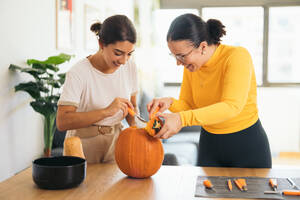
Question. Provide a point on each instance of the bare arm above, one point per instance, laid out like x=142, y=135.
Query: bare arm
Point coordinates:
x=67, y=118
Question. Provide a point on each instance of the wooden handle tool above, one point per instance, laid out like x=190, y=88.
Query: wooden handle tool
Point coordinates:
x=208, y=184
x=238, y=184
x=243, y=183
x=285, y=192
x=273, y=183
x=131, y=112
x=229, y=184
x=291, y=192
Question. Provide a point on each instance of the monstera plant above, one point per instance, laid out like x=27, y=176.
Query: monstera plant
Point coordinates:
x=44, y=89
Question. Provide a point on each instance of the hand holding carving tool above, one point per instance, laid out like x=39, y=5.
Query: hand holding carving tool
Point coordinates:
x=140, y=122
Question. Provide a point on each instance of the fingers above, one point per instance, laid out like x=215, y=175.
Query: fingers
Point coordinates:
x=164, y=134
x=126, y=101
x=154, y=106
x=124, y=108
x=164, y=128
x=149, y=105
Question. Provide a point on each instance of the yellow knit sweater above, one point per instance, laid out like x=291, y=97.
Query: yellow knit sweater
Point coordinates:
x=221, y=95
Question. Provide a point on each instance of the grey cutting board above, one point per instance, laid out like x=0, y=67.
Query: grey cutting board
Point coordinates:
x=256, y=188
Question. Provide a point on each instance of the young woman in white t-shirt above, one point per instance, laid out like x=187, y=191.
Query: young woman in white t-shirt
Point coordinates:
x=99, y=89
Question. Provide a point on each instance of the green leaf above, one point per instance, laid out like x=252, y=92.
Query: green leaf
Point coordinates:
x=51, y=81
x=52, y=67
x=54, y=83
x=32, y=71
x=62, y=78
x=45, y=67
x=61, y=58
x=52, y=98
x=32, y=88
x=43, y=107
x=52, y=60
x=13, y=67
x=39, y=66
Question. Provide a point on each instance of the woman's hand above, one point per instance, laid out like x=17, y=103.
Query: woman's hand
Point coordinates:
x=171, y=126
x=119, y=104
x=162, y=103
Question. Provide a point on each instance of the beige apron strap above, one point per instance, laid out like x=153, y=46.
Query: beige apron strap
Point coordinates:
x=110, y=155
x=87, y=132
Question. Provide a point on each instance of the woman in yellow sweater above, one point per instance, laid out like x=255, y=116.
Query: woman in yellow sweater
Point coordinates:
x=218, y=92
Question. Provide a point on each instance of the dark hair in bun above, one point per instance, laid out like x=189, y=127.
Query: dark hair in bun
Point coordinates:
x=191, y=27
x=113, y=29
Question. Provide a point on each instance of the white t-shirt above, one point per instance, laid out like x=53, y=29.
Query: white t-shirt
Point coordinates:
x=89, y=89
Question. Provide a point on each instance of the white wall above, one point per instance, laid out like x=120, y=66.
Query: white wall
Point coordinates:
x=27, y=31
x=279, y=112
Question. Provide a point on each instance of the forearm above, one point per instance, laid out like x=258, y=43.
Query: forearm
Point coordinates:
x=208, y=115
x=179, y=105
x=75, y=120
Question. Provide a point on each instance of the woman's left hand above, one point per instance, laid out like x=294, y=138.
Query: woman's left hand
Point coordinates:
x=171, y=126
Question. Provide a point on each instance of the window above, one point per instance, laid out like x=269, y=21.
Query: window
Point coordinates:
x=170, y=72
x=269, y=32
x=284, y=43
x=244, y=27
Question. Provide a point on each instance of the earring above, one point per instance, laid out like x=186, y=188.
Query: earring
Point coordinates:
x=203, y=52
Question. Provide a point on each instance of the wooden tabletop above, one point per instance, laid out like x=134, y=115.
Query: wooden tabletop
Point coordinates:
x=106, y=181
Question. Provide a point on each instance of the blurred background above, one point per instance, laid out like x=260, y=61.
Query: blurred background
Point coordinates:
x=269, y=29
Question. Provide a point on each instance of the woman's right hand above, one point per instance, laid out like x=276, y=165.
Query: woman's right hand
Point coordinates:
x=119, y=104
x=163, y=104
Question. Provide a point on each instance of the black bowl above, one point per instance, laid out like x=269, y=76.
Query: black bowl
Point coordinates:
x=58, y=172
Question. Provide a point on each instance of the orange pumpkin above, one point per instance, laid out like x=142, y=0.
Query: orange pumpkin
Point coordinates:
x=138, y=154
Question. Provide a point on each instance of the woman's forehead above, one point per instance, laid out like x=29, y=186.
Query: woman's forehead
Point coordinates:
x=124, y=46
x=180, y=46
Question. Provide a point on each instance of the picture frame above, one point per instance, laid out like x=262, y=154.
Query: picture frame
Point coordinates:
x=64, y=24
x=92, y=15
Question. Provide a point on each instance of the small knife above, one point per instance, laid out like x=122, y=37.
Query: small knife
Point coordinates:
x=285, y=192
x=140, y=122
x=273, y=183
x=293, y=184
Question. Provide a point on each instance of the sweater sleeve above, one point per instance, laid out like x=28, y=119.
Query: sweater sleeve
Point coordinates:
x=185, y=101
x=236, y=86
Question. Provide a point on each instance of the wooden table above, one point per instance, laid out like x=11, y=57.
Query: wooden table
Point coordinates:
x=106, y=181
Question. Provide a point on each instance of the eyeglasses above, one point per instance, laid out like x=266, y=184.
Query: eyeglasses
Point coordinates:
x=182, y=58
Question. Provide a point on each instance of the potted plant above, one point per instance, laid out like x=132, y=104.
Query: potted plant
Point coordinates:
x=44, y=89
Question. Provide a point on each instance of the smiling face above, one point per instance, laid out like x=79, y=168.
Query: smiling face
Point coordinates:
x=117, y=54
x=187, y=55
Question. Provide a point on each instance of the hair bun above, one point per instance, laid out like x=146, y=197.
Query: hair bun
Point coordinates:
x=216, y=30
x=96, y=27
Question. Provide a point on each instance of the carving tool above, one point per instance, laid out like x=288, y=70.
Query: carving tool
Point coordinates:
x=285, y=192
x=229, y=184
x=238, y=184
x=294, y=186
x=243, y=183
x=208, y=184
x=273, y=184
x=140, y=122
